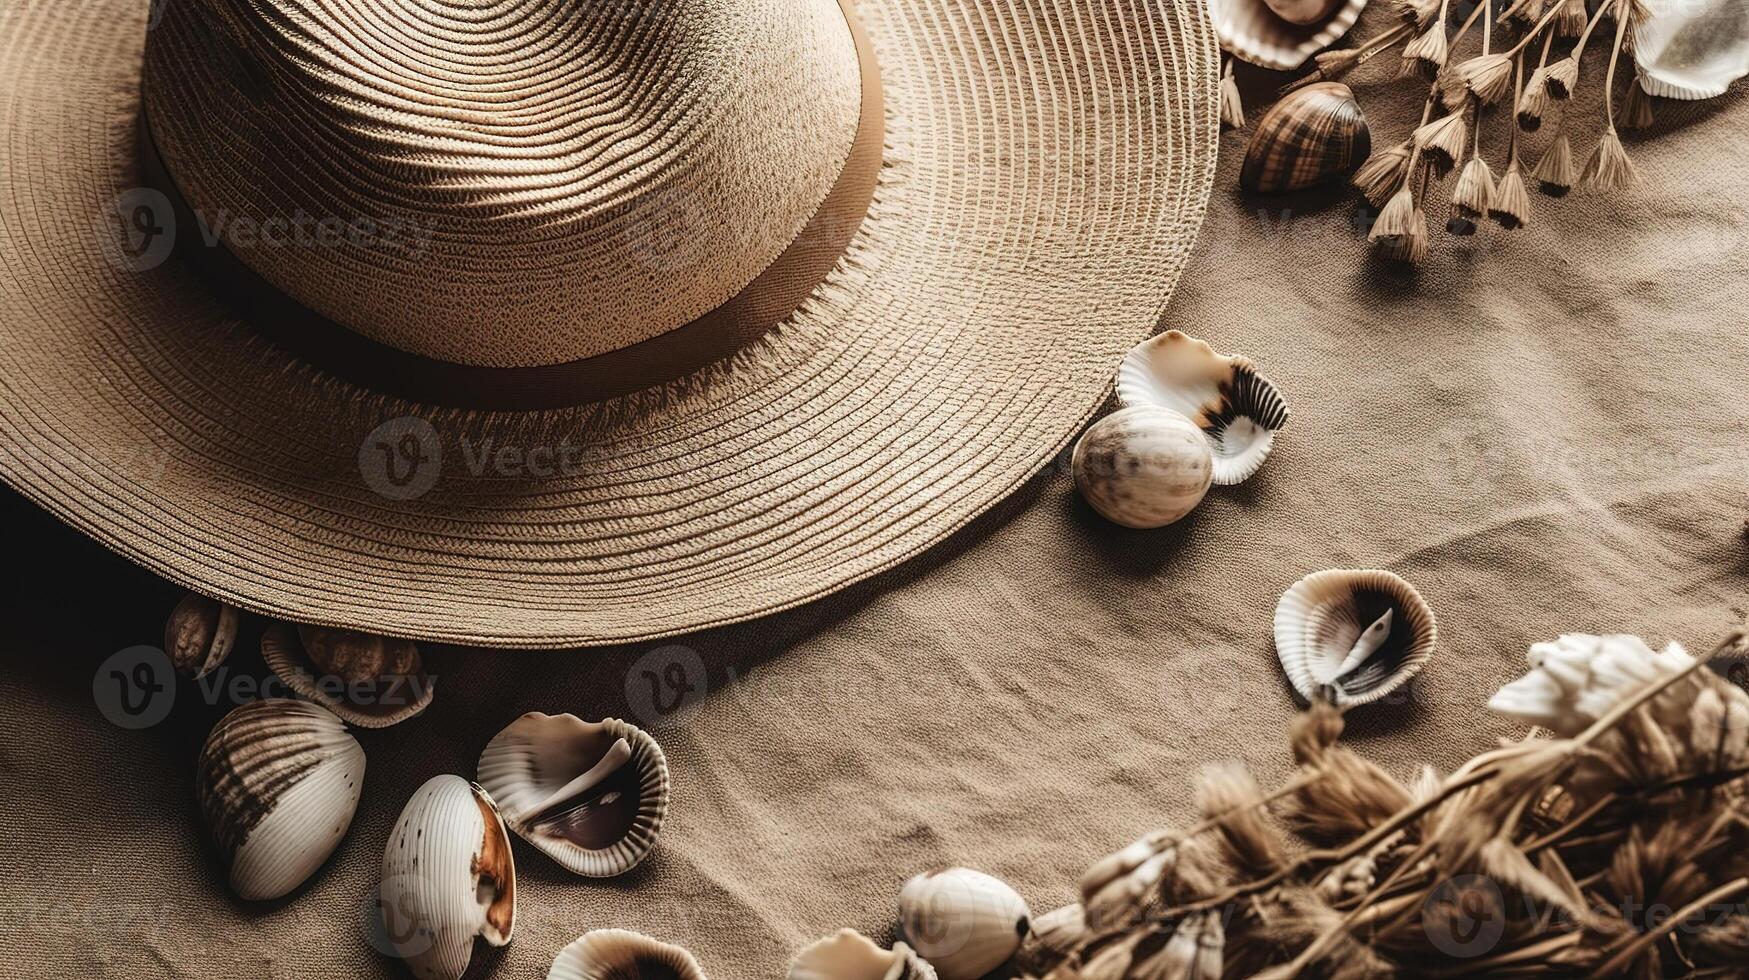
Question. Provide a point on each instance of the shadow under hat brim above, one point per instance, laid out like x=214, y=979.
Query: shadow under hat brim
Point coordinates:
x=1047, y=169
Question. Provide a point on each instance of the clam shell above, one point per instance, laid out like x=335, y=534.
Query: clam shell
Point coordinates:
x=1254, y=33
x=199, y=634
x=1360, y=634
x=1238, y=409
x=384, y=679
x=591, y=795
x=1310, y=136
x=278, y=782
x=849, y=955
x=964, y=922
x=1143, y=467
x=448, y=877
x=1692, y=49
x=618, y=954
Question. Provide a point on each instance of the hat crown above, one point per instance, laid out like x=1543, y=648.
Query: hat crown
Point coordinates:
x=505, y=183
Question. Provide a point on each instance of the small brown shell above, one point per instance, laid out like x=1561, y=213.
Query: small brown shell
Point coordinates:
x=199, y=634
x=1312, y=135
x=369, y=681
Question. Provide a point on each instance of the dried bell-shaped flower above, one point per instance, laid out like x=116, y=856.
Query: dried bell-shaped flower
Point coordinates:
x=1442, y=141
x=1534, y=101
x=1472, y=197
x=1554, y=172
x=1511, y=204
x=1401, y=228
x=1636, y=110
x=1487, y=78
x=1609, y=168
x=1383, y=173
x=1232, y=107
x=1560, y=77
x=1417, y=13
x=1427, y=54
x=1526, y=12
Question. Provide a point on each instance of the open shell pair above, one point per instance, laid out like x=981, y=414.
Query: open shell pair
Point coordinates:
x=1353, y=636
x=1256, y=32
x=619, y=954
x=1237, y=409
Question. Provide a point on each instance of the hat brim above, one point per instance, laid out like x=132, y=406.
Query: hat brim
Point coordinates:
x=1048, y=166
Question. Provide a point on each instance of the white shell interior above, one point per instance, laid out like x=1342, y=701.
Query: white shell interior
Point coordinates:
x=1255, y=34
x=615, y=954
x=1182, y=374
x=849, y=955
x=1692, y=49
x=435, y=902
x=1324, y=640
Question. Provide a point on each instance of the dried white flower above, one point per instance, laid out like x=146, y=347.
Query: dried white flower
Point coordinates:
x=1578, y=678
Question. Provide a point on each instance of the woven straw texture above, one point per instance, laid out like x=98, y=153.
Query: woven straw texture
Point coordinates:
x=1047, y=168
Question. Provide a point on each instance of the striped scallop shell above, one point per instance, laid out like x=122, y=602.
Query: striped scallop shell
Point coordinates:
x=448, y=878
x=592, y=795
x=1238, y=409
x=1255, y=34
x=1312, y=135
x=278, y=783
x=619, y=954
x=849, y=955
x=1692, y=49
x=316, y=661
x=964, y=922
x=1357, y=634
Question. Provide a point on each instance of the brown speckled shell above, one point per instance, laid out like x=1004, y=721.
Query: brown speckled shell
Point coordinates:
x=1312, y=135
x=1143, y=467
x=310, y=658
x=199, y=634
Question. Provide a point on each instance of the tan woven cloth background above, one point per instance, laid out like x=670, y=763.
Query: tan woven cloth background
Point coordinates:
x=1544, y=432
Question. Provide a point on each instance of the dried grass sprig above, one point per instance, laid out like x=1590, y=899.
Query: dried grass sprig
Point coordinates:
x=1232, y=106
x=1636, y=112
x=1511, y=204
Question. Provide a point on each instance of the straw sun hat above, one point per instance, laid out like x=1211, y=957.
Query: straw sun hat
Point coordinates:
x=539, y=323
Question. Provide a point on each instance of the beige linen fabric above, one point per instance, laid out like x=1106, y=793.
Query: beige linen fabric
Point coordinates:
x=1544, y=432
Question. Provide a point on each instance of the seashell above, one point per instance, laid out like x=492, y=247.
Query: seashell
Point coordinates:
x=1238, y=409
x=1578, y=678
x=1692, y=49
x=1314, y=134
x=370, y=681
x=1143, y=467
x=1255, y=33
x=849, y=955
x=1360, y=634
x=278, y=782
x=590, y=794
x=448, y=877
x=964, y=922
x=618, y=954
x=1303, y=12
x=199, y=634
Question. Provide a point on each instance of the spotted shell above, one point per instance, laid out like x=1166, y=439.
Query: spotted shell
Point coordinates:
x=1143, y=467
x=199, y=634
x=1311, y=135
x=449, y=877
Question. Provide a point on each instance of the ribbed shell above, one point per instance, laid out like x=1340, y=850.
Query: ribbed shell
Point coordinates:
x=964, y=922
x=539, y=754
x=448, y=877
x=1311, y=135
x=284, y=649
x=849, y=955
x=199, y=634
x=1253, y=32
x=1321, y=618
x=619, y=954
x=1692, y=49
x=278, y=782
x=1238, y=409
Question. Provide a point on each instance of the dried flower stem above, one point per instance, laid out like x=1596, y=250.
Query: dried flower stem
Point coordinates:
x=1346, y=61
x=1643, y=941
x=1621, y=30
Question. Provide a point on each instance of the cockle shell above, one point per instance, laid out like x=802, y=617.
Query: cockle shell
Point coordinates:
x=448, y=878
x=1692, y=49
x=199, y=634
x=849, y=955
x=370, y=681
x=1143, y=467
x=1312, y=135
x=278, y=783
x=618, y=954
x=1303, y=12
x=964, y=922
x=1356, y=634
x=1578, y=678
x=1256, y=34
x=591, y=795
x=1238, y=409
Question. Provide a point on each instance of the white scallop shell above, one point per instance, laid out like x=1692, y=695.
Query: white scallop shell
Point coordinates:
x=1238, y=409
x=964, y=922
x=1692, y=49
x=592, y=795
x=278, y=782
x=392, y=700
x=619, y=954
x=1358, y=634
x=1253, y=33
x=849, y=955
x=1143, y=467
x=448, y=877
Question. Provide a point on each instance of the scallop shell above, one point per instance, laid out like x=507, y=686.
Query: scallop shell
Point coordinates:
x=370, y=681
x=448, y=877
x=200, y=634
x=278, y=783
x=1359, y=634
x=618, y=954
x=1256, y=34
x=1238, y=409
x=849, y=955
x=591, y=795
x=964, y=922
x=1692, y=49
x=1143, y=467
x=1312, y=135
